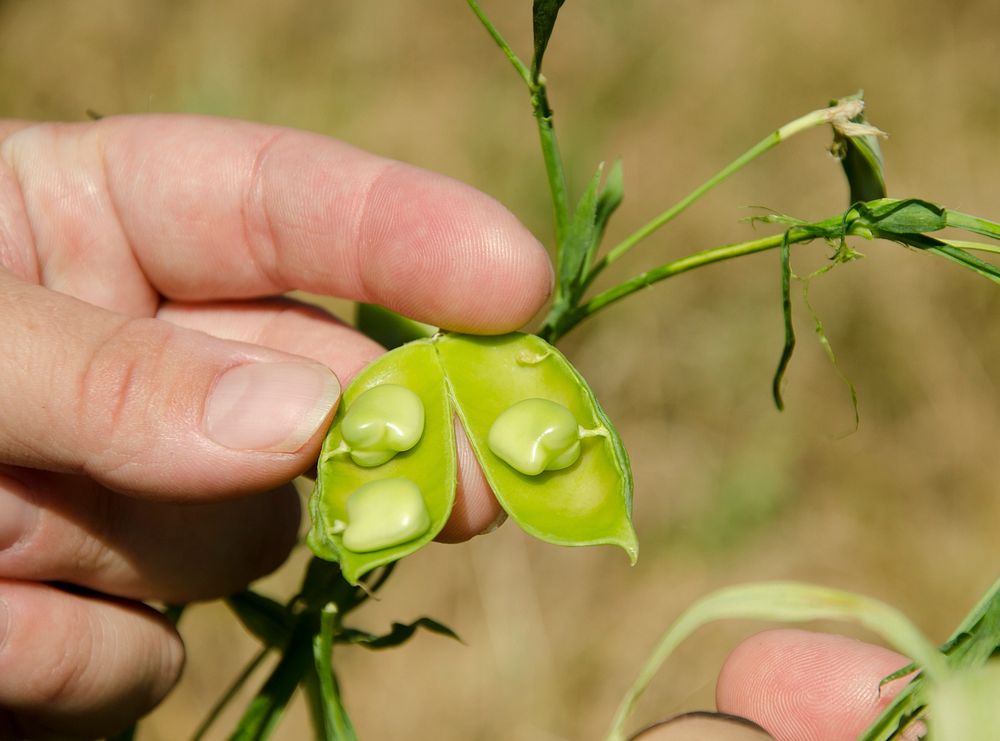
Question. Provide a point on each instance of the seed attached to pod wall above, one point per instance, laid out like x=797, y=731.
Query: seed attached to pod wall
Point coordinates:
x=384, y=513
x=536, y=435
x=430, y=464
x=385, y=420
x=526, y=412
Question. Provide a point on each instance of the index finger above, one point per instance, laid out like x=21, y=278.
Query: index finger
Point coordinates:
x=219, y=209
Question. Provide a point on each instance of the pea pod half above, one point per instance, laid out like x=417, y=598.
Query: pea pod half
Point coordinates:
x=551, y=455
x=588, y=502
x=365, y=506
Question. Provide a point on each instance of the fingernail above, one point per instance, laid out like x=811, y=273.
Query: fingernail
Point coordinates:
x=272, y=407
x=499, y=520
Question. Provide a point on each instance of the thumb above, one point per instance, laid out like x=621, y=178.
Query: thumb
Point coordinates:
x=144, y=406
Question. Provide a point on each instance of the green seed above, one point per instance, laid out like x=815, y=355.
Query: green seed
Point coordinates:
x=536, y=435
x=385, y=420
x=588, y=502
x=569, y=485
x=384, y=513
x=430, y=464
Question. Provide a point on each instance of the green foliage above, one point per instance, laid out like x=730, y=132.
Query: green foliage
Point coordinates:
x=543, y=16
x=860, y=155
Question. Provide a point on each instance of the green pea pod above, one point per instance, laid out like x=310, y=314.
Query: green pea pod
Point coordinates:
x=587, y=503
x=551, y=455
x=429, y=465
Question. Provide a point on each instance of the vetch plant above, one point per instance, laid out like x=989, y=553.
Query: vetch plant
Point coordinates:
x=386, y=475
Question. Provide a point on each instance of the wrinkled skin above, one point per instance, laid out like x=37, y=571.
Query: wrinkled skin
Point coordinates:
x=157, y=394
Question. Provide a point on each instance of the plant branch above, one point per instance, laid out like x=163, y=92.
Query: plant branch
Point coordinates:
x=668, y=270
x=542, y=112
x=840, y=112
x=522, y=69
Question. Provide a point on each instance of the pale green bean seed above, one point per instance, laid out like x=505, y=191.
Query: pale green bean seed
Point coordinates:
x=384, y=513
x=536, y=435
x=385, y=420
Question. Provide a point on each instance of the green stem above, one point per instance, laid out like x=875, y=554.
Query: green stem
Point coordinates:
x=522, y=69
x=230, y=693
x=336, y=722
x=546, y=131
x=803, y=123
x=668, y=270
x=553, y=163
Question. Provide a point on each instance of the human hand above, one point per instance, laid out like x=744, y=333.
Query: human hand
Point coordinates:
x=796, y=686
x=156, y=395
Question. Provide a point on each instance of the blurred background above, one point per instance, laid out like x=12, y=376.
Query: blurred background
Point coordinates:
x=727, y=488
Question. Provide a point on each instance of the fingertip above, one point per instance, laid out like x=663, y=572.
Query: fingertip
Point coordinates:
x=449, y=255
x=476, y=510
x=802, y=685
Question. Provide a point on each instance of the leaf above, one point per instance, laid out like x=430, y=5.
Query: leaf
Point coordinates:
x=861, y=158
x=265, y=619
x=975, y=641
x=266, y=709
x=581, y=240
x=398, y=634
x=336, y=723
x=612, y=195
x=973, y=224
x=543, y=19
x=890, y=217
x=786, y=312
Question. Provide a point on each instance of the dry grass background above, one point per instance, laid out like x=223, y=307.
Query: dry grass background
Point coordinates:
x=727, y=489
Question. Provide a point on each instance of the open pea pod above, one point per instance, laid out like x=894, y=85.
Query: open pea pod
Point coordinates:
x=386, y=475
x=385, y=480
x=584, y=495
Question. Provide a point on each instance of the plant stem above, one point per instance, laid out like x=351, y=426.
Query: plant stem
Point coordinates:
x=546, y=131
x=803, y=123
x=337, y=725
x=230, y=693
x=553, y=162
x=522, y=69
x=716, y=254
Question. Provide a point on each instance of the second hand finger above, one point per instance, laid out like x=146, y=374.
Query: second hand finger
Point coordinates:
x=65, y=528
x=304, y=330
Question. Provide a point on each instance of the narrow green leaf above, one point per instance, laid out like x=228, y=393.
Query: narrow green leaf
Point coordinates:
x=890, y=216
x=230, y=693
x=966, y=245
x=336, y=723
x=973, y=224
x=266, y=709
x=543, y=17
x=265, y=619
x=786, y=311
x=612, y=195
x=827, y=347
x=963, y=258
x=860, y=156
x=974, y=642
x=580, y=241
x=398, y=634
